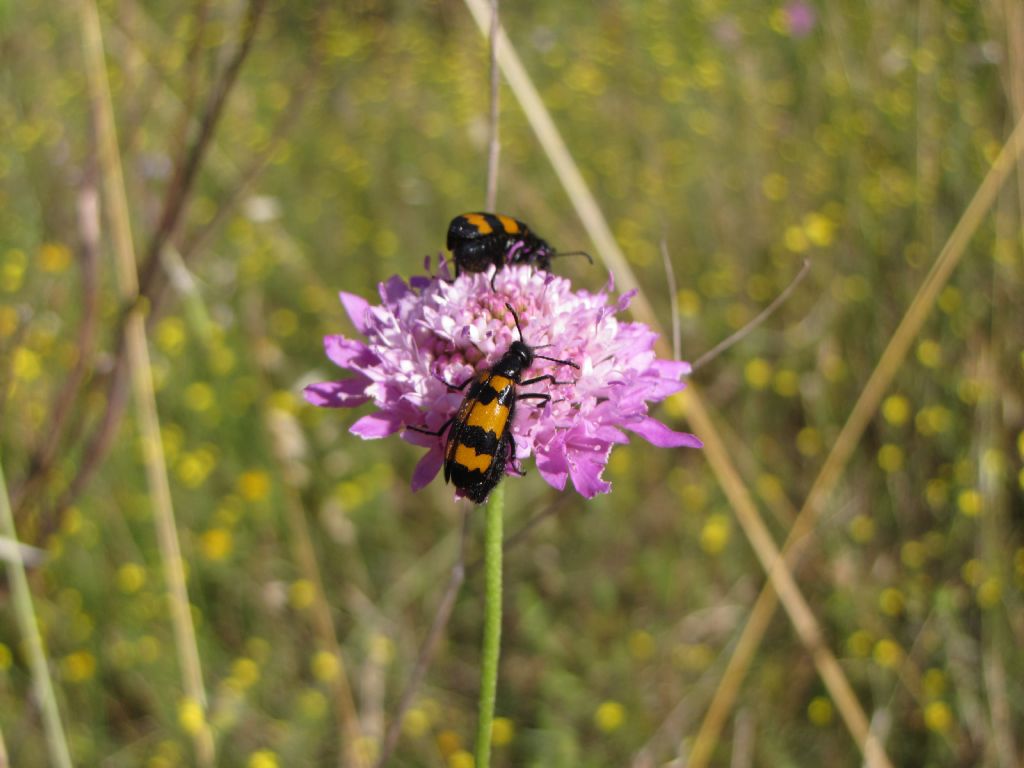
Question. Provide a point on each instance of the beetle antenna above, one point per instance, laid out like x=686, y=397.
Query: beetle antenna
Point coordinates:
x=516, y=318
x=574, y=253
x=557, y=360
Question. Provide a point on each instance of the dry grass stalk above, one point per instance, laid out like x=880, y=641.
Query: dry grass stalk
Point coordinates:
x=141, y=377
x=862, y=413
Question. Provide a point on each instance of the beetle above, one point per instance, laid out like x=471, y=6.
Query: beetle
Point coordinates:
x=478, y=240
x=480, y=442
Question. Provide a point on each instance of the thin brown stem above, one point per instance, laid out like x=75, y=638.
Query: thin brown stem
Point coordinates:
x=99, y=442
x=102, y=437
x=186, y=170
x=193, y=75
x=43, y=457
x=199, y=239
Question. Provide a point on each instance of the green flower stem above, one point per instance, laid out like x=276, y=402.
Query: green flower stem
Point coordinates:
x=21, y=597
x=492, y=625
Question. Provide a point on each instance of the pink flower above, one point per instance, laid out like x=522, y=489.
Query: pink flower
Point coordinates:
x=799, y=18
x=430, y=331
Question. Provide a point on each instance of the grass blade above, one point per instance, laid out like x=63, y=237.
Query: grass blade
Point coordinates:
x=141, y=377
x=21, y=598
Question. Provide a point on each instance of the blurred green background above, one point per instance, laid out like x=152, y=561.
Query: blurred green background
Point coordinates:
x=750, y=136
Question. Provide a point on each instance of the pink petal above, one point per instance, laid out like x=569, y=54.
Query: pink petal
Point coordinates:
x=556, y=480
x=552, y=465
x=624, y=300
x=672, y=369
x=376, y=425
x=610, y=285
x=419, y=282
x=346, y=353
x=427, y=467
x=608, y=434
x=356, y=307
x=337, y=394
x=443, y=272
x=659, y=389
x=619, y=410
x=393, y=290
x=585, y=468
x=656, y=433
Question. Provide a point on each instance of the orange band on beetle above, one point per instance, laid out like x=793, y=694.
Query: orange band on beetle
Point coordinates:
x=511, y=225
x=468, y=457
x=481, y=223
x=490, y=417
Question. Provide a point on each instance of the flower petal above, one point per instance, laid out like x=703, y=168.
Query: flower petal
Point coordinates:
x=427, y=468
x=658, y=389
x=553, y=477
x=608, y=434
x=551, y=462
x=656, y=433
x=585, y=467
x=356, y=307
x=393, y=290
x=337, y=394
x=609, y=287
x=672, y=369
x=625, y=300
x=347, y=353
x=420, y=282
x=376, y=425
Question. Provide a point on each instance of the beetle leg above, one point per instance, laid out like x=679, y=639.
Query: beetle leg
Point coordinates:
x=545, y=377
x=436, y=433
x=453, y=387
x=534, y=396
x=516, y=468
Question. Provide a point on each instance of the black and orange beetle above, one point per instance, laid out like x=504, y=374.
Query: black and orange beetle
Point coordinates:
x=480, y=443
x=478, y=240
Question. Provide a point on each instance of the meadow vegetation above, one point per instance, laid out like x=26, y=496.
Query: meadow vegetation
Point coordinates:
x=748, y=138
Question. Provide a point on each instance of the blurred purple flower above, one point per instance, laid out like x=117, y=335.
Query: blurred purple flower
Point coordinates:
x=800, y=18
x=432, y=331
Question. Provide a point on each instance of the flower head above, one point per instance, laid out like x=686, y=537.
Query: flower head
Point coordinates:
x=430, y=334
